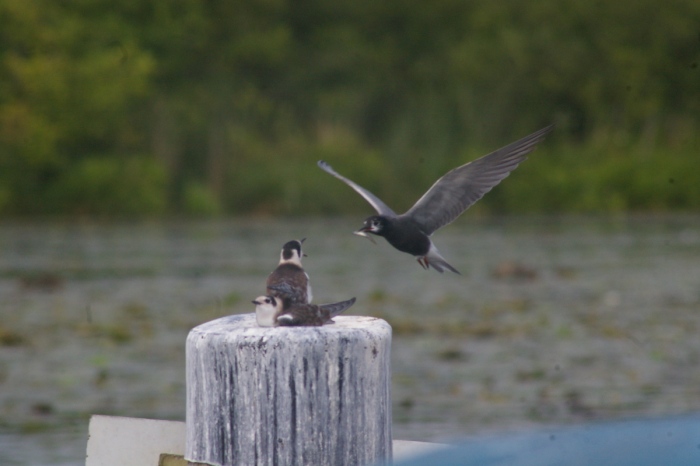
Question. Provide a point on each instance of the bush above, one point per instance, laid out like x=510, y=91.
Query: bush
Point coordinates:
x=116, y=186
x=198, y=200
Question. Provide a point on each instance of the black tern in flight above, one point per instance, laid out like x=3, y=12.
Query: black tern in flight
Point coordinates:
x=451, y=195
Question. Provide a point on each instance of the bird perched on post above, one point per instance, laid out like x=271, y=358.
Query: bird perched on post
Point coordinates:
x=290, y=276
x=451, y=195
x=271, y=312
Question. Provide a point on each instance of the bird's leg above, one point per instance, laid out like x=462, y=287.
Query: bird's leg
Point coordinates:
x=423, y=261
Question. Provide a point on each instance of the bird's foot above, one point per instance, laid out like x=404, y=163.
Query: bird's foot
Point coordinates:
x=423, y=261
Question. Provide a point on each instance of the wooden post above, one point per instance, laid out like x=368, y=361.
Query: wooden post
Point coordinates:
x=289, y=395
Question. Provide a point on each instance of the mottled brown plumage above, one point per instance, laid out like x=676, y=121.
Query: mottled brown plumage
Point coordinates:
x=289, y=282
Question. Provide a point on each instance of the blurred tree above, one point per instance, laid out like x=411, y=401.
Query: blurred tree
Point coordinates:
x=73, y=86
x=227, y=104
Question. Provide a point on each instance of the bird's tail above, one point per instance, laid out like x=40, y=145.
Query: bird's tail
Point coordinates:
x=336, y=308
x=434, y=259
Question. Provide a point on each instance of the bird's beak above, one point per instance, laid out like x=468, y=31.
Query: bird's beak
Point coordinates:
x=255, y=302
x=302, y=240
x=363, y=232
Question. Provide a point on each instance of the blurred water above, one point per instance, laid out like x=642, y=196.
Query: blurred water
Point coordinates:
x=554, y=320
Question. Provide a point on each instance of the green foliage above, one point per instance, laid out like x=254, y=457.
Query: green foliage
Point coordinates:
x=200, y=201
x=111, y=186
x=224, y=107
x=72, y=87
x=587, y=179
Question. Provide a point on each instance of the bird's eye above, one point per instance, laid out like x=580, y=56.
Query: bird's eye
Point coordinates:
x=375, y=223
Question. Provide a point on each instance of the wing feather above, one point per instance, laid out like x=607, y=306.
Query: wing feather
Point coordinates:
x=336, y=308
x=461, y=187
x=374, y=201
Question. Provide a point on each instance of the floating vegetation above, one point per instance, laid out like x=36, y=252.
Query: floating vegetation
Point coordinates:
x=514, y=271
x=530, y=375
x=451, y=354
x=377, y=295
x=480, y=330
x=119, y=333
x=11, y=338
x=41, y=281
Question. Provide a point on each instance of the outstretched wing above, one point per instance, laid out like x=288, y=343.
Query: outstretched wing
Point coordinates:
x=379, y=206
x=311, y=315
x=336, y=308
x=461, y=187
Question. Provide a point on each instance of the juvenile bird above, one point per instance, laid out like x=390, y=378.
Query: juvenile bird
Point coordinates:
x=290, y=275
x=270, y=312
x=449, y=196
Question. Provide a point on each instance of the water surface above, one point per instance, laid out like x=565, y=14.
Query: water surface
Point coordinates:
x=553, y=320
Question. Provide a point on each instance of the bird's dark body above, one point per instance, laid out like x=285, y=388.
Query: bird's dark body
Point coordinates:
x=404, y=234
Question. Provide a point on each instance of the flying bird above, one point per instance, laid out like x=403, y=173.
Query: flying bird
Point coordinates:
x=271, y=312
x=449, y=196
x=289, y=277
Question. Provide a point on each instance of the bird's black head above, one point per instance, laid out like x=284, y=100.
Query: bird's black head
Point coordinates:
x=265, y=300
x=376, y=224
x=290, y=247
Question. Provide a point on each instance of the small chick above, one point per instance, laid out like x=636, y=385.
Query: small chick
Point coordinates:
x=270, y=312
x=267, y=308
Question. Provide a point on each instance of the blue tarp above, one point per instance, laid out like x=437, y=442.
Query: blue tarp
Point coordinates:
x=669, y=441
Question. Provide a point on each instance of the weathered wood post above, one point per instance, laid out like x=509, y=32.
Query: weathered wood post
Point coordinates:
x=289, y=395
